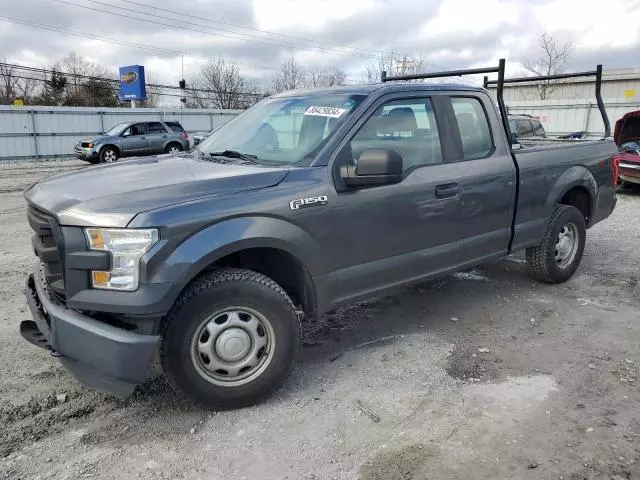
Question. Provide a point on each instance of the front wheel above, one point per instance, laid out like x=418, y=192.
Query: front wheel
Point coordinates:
x=557, y=257
x=108, y=155
x=231, y=339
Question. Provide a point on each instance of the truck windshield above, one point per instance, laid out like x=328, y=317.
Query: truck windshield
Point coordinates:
x=284, y=130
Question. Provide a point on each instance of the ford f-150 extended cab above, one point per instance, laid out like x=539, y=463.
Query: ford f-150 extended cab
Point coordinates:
x=308, y=200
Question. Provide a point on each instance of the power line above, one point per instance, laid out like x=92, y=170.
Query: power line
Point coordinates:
x=261, y=42
x=373, y=52
x=112, y=89
x=116, y=82
x=119, y=42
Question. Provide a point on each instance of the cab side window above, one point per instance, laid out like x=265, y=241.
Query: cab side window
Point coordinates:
x=473, y=126
x=406, y=126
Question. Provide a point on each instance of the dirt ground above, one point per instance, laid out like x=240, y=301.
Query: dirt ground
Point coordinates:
x=481, y=375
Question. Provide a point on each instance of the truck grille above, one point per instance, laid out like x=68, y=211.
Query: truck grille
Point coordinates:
x=48, y=246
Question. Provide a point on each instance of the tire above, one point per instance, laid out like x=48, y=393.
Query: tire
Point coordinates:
x=557, y=257
x=209, y=313
x=173, y=148
x=109, y=155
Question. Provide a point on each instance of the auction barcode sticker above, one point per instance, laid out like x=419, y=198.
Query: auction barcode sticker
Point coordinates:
x=333, y=112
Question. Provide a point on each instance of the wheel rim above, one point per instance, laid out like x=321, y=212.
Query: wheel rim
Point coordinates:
x=566, y=245
x=174, y=149
x=233, y=346
x=110, y=156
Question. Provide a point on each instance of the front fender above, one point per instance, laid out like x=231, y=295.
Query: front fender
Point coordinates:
x=210, y=244
x=577, y=176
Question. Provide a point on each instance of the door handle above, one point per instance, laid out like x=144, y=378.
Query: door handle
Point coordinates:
x=164, y=136
x=142, y=138
x=447, y=190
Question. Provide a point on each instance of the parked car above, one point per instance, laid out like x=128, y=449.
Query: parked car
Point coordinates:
x=627, y=137
x=306, y=201
x=526, y=126
x=133, y=139
x=199, y=137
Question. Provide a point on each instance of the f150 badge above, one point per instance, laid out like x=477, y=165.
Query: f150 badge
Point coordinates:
x=308, y=202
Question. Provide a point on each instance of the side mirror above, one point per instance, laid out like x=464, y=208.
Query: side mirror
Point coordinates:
x=513, y=138
x=376, y=166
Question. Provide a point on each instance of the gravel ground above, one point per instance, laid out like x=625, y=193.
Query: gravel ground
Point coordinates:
x=483, y=374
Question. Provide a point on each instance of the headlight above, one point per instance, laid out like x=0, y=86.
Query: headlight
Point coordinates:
x=126, y=248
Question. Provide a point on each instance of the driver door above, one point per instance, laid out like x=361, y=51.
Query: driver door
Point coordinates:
x=134, y=141
x=391, y=234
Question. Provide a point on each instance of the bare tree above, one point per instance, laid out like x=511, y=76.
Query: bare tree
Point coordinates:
x=290, y=76
x=14, y=84
x=325, y=78
x=88, y=84
x=373, y=71
x=551, y=60
x=393, y=64
x=222, y=86
x=154, y=94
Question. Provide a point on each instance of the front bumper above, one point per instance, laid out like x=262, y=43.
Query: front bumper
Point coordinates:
x=85, y=153
x=630, y=178
x=100, y=355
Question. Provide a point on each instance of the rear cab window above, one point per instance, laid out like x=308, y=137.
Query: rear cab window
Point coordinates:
x=473, y=125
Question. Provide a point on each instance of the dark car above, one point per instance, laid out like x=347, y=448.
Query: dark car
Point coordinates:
x=133, y=139
x=526, y=126
x=308, y=200
x=627, y=137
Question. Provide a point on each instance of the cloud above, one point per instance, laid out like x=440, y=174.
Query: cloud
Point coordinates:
x=320, y=33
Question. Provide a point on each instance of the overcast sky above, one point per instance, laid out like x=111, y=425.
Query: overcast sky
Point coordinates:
x=347, y=34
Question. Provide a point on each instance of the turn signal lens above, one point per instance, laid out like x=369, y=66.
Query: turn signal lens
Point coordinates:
x=96, y=239
x=126, y=247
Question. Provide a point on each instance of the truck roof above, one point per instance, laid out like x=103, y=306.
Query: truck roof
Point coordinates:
x=387, y=87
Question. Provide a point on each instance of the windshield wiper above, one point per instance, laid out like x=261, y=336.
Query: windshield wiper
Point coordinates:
x=235, y=154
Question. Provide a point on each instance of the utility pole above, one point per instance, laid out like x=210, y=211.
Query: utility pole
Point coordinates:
x=183, y=85
x=405, y=66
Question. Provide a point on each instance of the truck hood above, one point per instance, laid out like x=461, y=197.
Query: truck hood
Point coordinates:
x=111, y=195
x=627, y=128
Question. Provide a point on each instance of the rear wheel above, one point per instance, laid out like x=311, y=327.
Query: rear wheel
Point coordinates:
x=173, y=148
x=231, y=339
x=109, y=155
x=557, y=257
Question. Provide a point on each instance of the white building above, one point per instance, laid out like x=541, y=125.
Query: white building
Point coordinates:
x=571, y=106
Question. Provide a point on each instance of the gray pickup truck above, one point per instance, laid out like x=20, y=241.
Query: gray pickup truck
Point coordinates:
x=306, y=201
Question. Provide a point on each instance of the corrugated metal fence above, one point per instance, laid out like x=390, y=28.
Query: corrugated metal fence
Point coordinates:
x=50, y=132
x=560, y=117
